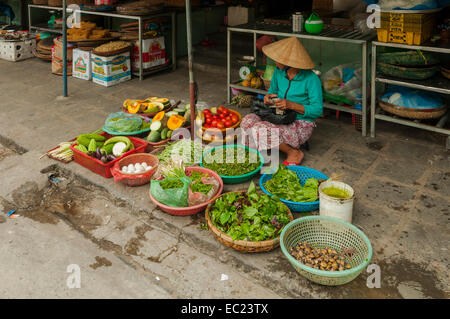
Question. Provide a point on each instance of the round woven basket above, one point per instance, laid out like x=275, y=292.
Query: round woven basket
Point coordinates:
x=242, y=245
x=322, y=232
x=413, y=113
x=139, y=178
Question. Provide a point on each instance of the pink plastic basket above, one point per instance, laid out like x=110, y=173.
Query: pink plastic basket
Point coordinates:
x=192, y=210
x=135, y=179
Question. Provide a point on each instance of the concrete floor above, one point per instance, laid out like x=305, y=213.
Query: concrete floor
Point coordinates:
x=125, y=247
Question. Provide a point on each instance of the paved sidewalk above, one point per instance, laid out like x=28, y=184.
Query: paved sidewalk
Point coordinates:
x=401, y=180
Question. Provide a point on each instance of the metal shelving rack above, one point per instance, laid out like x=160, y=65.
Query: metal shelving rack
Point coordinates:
x=333, y=35
x=141, y=73
x=437, y=84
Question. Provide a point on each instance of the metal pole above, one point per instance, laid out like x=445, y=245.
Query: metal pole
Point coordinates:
x=191, y=71
x=364, y=89
x=228, y=66
x=373, y=98
x=140, y=49
x=64, y=34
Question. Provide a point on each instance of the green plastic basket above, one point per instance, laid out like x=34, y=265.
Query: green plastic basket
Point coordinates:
x=239, y=178
x=321, y=232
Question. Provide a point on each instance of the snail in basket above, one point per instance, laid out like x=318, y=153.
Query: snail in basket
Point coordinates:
x=136, y=168
x=319, y=258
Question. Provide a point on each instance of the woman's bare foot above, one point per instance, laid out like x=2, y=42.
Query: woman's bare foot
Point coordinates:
x=295, y=156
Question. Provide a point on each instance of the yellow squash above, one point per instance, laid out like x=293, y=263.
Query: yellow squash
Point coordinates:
x=175, y=121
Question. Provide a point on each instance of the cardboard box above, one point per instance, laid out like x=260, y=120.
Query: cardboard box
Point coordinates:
x=154, y=53
x=240, y=15
x=17, y=50
x=82, y=67
x=109, y=71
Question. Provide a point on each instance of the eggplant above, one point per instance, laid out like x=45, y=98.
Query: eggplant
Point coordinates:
x=98, y=153
x=104, y=159
x=111, y=157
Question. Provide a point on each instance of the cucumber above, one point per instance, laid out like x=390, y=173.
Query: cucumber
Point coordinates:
x=179, y=110
x=154, y=136
x=155, y=126
x=164, y=133
x=169, y=134
x=169, y=114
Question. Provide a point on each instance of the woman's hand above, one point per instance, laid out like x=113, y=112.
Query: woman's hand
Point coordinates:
x=282, y=104
x=268, y=97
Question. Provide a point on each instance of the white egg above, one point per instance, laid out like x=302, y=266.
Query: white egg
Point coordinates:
x=125, y=169
x=130, y=166
x=138, y=167
x=131, y=169
x=138, y=171
x=144, y=164
x=148, y=168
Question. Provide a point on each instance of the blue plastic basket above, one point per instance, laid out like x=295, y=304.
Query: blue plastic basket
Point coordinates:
x=303, y=173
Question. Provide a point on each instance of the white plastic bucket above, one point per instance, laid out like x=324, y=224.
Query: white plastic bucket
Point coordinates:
x=341, y=208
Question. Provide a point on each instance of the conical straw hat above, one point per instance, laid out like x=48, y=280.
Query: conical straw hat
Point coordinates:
x=289, y=52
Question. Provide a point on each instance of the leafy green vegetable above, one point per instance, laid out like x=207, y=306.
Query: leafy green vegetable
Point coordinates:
x=232, y=162
x=171, y=183
x=189, y=151
x=249, y=216
x=121, y=122
x=286, y=185
x=200, y=187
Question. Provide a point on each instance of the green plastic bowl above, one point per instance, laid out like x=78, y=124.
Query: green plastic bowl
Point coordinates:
x=239, y=178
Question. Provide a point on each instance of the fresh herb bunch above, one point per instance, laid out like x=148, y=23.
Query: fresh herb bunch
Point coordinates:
x=199, y=187
x=249, y=216
x=189, y=151
x=232, y=162
x=285, y=184
x=169, y=183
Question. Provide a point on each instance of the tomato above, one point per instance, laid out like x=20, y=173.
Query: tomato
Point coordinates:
x=220, y=109
x=220, y=125
x=226, y=111
x=207, y=125
x=228, y=123
x=208, y=120
x=214, y=123
x=206, y=111
x=234, y=119
x=222, y=115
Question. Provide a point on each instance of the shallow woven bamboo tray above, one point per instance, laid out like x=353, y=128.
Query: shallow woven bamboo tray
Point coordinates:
x=408, y=73
x=242, y=245
x=413, y=113
x=115, y=52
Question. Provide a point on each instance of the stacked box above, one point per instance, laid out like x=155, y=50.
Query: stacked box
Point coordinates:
x=153, y=54
x=82, y=65
x=109, y=71
x=17, y=50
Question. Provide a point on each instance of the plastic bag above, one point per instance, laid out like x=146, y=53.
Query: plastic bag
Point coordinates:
x=408, y=4
x=173, y=197
x=123, y=122
x=197, y=198
x=344, y=81
x=412, y=98
x=268, y=114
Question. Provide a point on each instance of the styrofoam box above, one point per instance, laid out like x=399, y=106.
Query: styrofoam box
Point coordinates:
x=17, y=50
x=153, y=54
x=82, y=65
x=109, y=71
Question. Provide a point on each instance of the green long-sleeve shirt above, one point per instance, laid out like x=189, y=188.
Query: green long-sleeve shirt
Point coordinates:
x=304, y=89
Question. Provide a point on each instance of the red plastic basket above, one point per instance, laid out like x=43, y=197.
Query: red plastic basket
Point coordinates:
x=97, y=166
x=135, y=179
x=191, y=210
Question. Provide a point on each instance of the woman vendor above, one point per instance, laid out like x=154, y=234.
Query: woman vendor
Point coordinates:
x=296, y=87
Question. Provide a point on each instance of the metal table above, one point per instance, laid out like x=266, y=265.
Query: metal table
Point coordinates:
x=334, y=35
x=140, y=20
x=437, y=84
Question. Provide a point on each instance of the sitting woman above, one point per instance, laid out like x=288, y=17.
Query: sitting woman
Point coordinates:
x=296, y=87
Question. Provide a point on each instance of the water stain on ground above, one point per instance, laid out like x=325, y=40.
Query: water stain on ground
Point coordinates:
x=2, y=219
x=134, y=244
x=100, y=262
